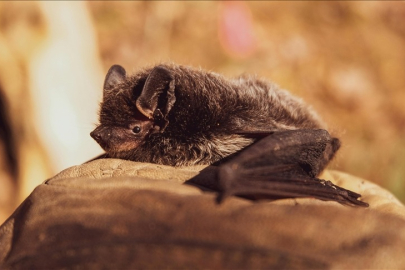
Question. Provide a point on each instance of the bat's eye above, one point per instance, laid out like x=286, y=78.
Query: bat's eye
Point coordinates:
x=136, y=129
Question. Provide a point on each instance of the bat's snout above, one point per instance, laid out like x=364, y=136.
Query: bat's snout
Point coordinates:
x=115, y=139
x=95, y=135
x=99, y=136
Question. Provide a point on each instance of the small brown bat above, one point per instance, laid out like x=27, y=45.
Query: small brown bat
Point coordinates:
x=266, y=142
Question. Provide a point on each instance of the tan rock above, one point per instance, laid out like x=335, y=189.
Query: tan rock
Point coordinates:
x=121, y=214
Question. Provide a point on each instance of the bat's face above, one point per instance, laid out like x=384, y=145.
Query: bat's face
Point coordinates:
x=122, y=138
x=123, y=126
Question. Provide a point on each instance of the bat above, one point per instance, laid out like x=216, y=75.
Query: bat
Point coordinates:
x=267, y=143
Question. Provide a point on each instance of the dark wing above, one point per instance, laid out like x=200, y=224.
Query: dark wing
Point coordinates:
x=285, y=165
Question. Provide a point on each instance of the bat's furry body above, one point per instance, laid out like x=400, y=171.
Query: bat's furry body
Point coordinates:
x=211, y=118
x=177, y=115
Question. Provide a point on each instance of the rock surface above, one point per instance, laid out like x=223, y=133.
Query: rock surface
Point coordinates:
x=120, y=214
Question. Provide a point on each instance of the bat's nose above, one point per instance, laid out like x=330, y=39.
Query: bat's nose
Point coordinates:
x=96, y=135
x=101, y=135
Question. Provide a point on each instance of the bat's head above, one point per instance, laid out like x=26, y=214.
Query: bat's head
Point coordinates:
x=132, y=110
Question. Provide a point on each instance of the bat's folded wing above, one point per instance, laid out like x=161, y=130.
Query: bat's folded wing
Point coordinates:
x=285, y=165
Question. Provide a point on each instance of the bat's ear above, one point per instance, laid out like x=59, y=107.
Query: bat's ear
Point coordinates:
x=115, y=75
x=160, y=83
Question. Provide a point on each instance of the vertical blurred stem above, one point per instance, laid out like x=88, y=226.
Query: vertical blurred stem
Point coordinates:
x=66, y=83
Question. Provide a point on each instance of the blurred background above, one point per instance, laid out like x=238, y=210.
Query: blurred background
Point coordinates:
x=346, y=59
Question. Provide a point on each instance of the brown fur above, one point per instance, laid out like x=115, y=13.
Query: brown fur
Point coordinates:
x=211, y=117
